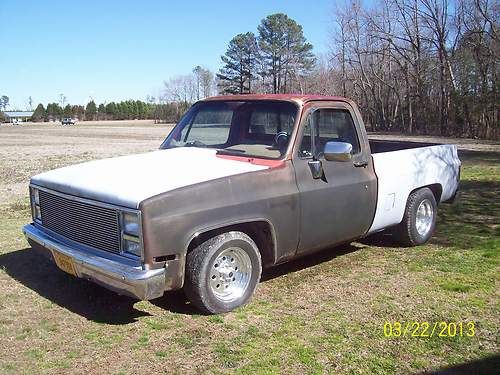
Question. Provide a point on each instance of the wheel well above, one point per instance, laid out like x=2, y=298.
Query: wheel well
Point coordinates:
x=436, y=189
x=261, y=232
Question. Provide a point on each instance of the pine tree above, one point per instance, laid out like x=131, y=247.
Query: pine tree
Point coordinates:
x=236, y=76
x=284, y=51
x=78, y=111
x=90, y=111
x=111, y=110
x=54, y=111
x=134, y=113
x=101, y=112
x=67, y=112
x=141, y=109
x=39, y=114
x=120, y=111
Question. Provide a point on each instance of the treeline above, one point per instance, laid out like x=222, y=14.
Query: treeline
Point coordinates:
x=418, y=66
x=124, y=110
x=413, y=66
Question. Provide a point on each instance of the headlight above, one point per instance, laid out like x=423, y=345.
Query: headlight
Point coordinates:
x=132, y=245
x=131, y=233
x=37, y=213
x=36, y=196
x=35, y=205
x=131, y=224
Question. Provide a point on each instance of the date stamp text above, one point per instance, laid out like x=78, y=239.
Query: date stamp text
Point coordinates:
x=429, y=329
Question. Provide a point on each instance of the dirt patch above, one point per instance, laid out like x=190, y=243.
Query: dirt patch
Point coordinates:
x=26, y=150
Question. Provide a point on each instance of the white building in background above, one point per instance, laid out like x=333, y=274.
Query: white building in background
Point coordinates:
x=17, y=116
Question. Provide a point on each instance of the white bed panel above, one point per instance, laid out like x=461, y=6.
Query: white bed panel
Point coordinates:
x=401, y=172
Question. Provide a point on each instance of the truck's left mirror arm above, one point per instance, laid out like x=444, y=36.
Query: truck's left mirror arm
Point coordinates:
x=316, y=168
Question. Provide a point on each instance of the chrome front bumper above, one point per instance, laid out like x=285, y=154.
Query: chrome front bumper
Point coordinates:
x=121, y=278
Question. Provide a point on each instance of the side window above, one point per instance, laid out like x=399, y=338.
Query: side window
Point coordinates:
x=331, y=125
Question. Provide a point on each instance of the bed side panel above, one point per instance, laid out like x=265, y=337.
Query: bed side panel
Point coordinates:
x=401, y=172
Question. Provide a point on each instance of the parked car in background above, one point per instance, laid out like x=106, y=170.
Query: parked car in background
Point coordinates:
x=68, y=121
x=240, y=183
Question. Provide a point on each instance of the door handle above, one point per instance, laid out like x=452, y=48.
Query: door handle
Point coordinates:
x=362, y=163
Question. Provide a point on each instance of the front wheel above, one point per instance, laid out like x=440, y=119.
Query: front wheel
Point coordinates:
x=419, y=220
x=223, y=272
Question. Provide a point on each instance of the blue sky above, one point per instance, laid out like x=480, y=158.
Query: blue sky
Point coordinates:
x=114, y=50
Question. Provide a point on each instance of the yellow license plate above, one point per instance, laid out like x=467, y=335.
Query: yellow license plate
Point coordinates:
x=64, y=262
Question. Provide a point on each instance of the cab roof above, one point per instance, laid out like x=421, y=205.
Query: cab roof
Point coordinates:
x=300, y=98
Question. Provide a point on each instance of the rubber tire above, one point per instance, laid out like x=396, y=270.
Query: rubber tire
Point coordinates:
x=406, y=232
x=199, y=262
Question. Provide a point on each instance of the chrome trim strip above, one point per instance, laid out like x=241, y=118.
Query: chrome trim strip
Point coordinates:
x=84, y=200
x=133, y=281
x=128, y=237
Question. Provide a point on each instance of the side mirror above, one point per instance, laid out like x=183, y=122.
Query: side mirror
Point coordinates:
x=337, y=151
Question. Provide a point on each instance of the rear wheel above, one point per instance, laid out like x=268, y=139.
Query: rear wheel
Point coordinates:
x=419, y=220
x=223, y=272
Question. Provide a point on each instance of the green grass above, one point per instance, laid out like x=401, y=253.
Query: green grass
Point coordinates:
x=321, y=314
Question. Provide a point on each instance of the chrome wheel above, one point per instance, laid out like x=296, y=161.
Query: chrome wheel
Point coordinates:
x=425, y=217
x=230, y=274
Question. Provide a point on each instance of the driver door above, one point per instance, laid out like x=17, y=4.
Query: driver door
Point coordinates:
x=340, y=205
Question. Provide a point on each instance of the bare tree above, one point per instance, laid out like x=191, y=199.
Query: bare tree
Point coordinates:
x=62, y=100
x=180, y=88
x=197, y=71
x=207, y=83
x=419, y=66
x=204, y=79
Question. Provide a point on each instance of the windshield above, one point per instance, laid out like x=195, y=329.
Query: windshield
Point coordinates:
x=245, y=128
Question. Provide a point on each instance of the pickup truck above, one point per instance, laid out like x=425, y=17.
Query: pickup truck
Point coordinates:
x=240, y=183
x=68, y=121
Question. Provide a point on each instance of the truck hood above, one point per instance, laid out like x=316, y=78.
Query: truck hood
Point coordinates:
x=128, y=180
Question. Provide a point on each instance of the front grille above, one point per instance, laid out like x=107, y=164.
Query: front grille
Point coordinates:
x=85, y=223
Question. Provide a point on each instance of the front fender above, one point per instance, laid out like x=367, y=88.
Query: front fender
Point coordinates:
x=171, y=220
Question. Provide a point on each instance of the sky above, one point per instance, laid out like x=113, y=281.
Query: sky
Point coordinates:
x=117, y=50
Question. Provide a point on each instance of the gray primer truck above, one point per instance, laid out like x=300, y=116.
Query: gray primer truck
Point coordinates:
x=240, y=183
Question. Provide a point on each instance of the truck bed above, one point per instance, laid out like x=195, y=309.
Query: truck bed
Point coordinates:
x=401, y=167
x=377, y=146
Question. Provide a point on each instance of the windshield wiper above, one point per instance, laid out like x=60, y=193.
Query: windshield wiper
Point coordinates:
x=230, y=151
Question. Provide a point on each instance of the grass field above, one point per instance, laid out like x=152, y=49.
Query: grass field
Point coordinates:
x=320, y=314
